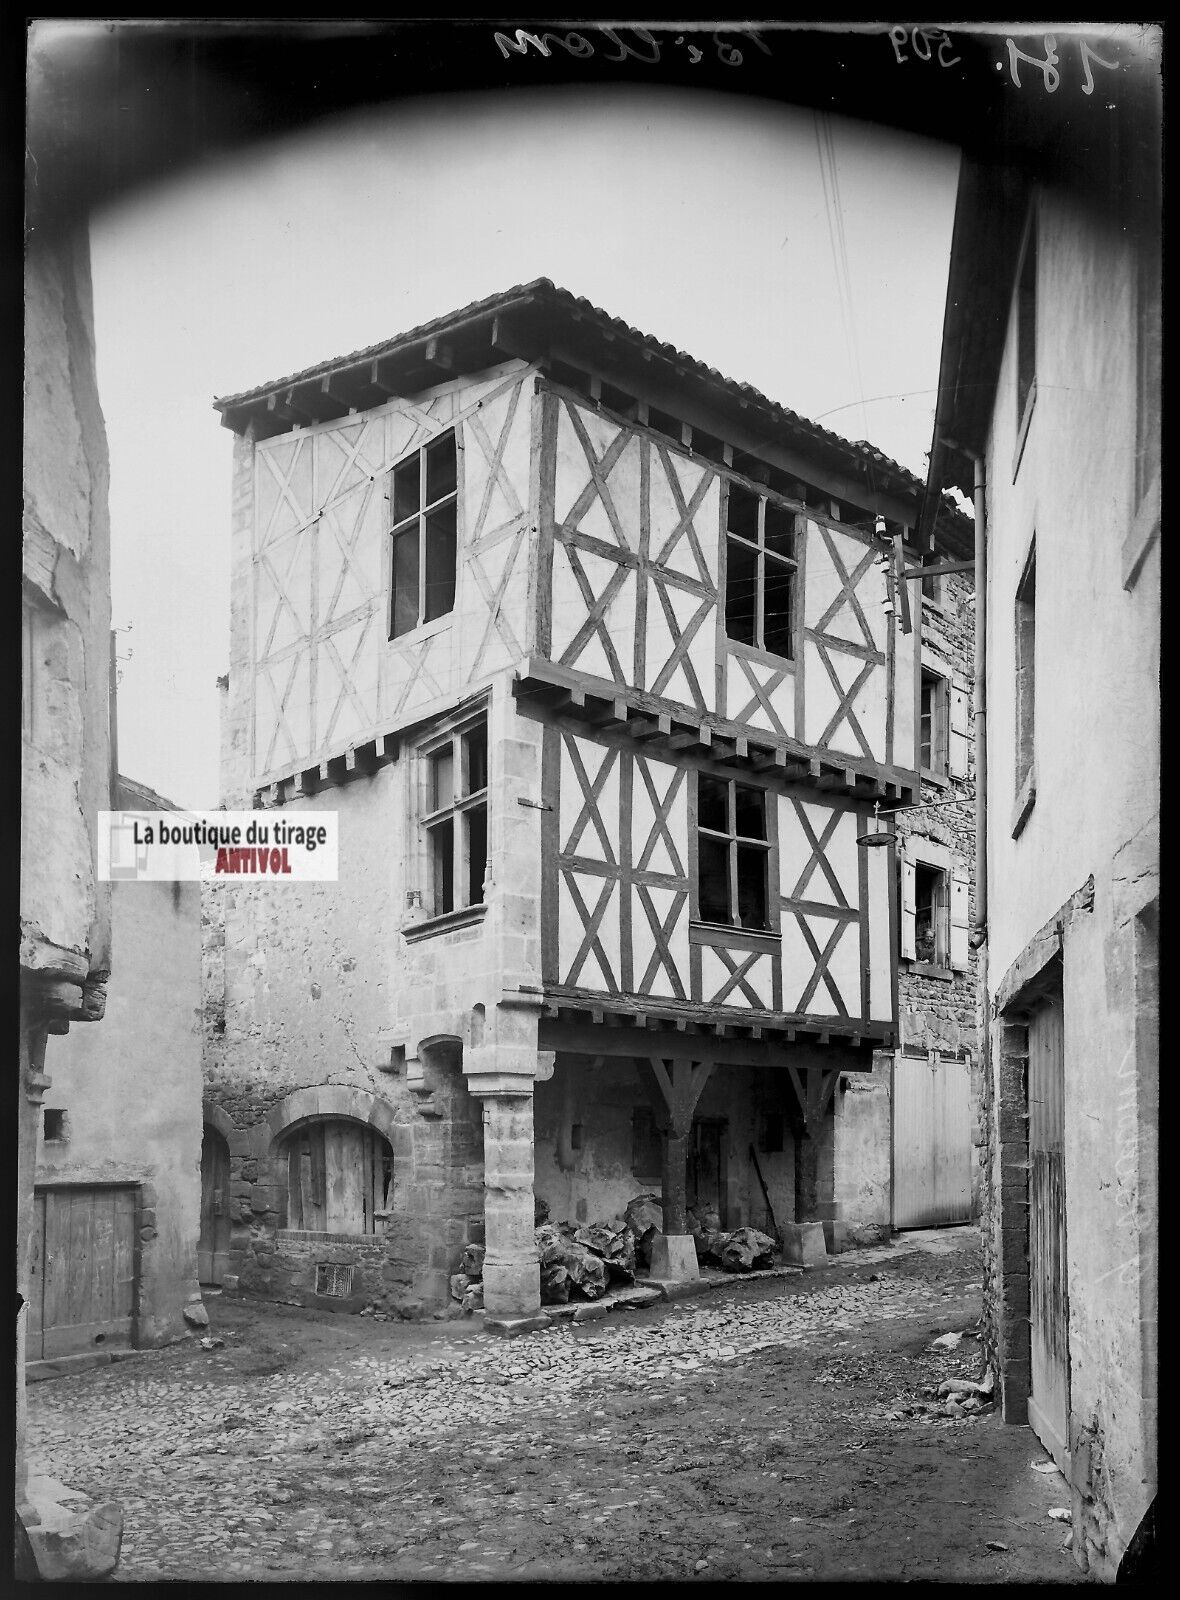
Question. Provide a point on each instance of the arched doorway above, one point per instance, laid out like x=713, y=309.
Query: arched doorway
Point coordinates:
x=213, y=1244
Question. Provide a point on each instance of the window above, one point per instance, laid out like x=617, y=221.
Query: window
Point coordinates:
x=456, y=818
x=1026, y=339
x=930, y=915
x=932, y=723
x=932, y=587
x=55, y=1127
x=339, y=1178
x=733, y=853
x=935, y=893
x=759, y=572
x=1026, y=639
x=424, y=501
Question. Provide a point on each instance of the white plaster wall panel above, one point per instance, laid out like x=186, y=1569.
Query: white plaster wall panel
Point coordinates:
x=589, y=800
x=597, y=484
x=659, y=844
x=679, y=631
x=589, y=931
x=659, y=941
x=839, y=684
x=760, y=695
x=814, y=841
x=683, y=515
x=493, y=598
x=282, y=712
x=721, y=984
x=320, y=562
x=837, y=950
x=347, y=682
x=880, y=880
x=843, y=966
x=593, y=613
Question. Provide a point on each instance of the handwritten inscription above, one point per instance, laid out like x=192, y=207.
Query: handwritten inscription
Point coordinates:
x=924, y=42
x=643, y=47
x=1047, y=67
x=934, y=44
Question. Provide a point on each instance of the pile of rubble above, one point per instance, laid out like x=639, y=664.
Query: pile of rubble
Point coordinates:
x=585, y=1261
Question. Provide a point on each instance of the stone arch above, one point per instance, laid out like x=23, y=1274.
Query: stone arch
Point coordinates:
x=330, y=1100
x=327, y=1103
x=237, y=1138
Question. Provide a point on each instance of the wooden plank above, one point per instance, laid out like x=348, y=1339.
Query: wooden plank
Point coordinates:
x=335, y=1179
x=35, y=1324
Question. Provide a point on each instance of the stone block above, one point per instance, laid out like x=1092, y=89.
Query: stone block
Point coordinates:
x=804, y=1244
x=673, y=1258
x=835, y=1236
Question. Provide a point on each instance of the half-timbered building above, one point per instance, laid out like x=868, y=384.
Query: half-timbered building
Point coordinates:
x=604, y=660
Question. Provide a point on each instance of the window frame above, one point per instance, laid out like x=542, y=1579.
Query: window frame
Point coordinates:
x=1024, y=690
x=733, y=839
x=401, y=528
x=1025, y=342
x=464, y=804
x=763, y=497
x=939, y=765
x=940, y=914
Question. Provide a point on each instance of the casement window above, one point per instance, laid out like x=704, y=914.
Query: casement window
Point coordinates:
x=455, y=817
x=944, y=731
x=933, y=586
x=733, y=854
x=934, y=900
x=423, y=524
x=932, y=723
x=759, y=572
x=339, y=1177
x=1025, y=687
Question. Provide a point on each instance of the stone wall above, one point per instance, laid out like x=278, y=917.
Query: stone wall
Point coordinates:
x=131, y=1091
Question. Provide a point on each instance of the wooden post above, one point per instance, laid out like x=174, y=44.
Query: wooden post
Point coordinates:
x=674, y=1086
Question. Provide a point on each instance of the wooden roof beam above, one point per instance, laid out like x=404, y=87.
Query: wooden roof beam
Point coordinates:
x=439, y=356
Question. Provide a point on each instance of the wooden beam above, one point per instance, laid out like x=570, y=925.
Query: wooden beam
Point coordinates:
x=650, y=727
x=438, y=354
x=776, y=762
x=702, y=736
x=938, y=569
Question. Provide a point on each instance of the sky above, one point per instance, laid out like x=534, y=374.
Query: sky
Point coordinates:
x=706, y=220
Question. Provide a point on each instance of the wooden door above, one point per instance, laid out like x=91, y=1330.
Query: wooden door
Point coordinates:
x=213, y=1244
x=706, y=1190
x=1048, y=1406
x=931, y=1142
x=82, y=1286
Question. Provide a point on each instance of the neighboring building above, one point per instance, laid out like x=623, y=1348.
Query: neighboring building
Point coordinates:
x=588, y=646
x=65, y=929
x=115, y=1227
x=1049, y=402
x=938, y=1070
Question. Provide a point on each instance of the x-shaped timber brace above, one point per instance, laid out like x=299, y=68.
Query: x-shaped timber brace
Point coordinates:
x=674, y=1086
x=813, y=1088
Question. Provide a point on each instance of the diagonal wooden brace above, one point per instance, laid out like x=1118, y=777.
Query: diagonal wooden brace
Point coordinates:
x=674, y=1087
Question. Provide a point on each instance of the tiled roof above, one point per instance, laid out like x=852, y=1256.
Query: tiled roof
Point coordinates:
x=545, y=294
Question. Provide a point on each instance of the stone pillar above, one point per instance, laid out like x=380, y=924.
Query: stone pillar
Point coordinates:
x=511, y=1273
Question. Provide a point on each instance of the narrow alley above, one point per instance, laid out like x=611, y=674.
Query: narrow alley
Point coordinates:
x=787, y=1429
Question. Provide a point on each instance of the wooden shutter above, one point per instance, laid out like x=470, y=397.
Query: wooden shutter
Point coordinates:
x=959, y=717
x=960, y=953
x=909, y=945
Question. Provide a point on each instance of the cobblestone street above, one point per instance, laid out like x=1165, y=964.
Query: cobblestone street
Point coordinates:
x=784, y=1429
